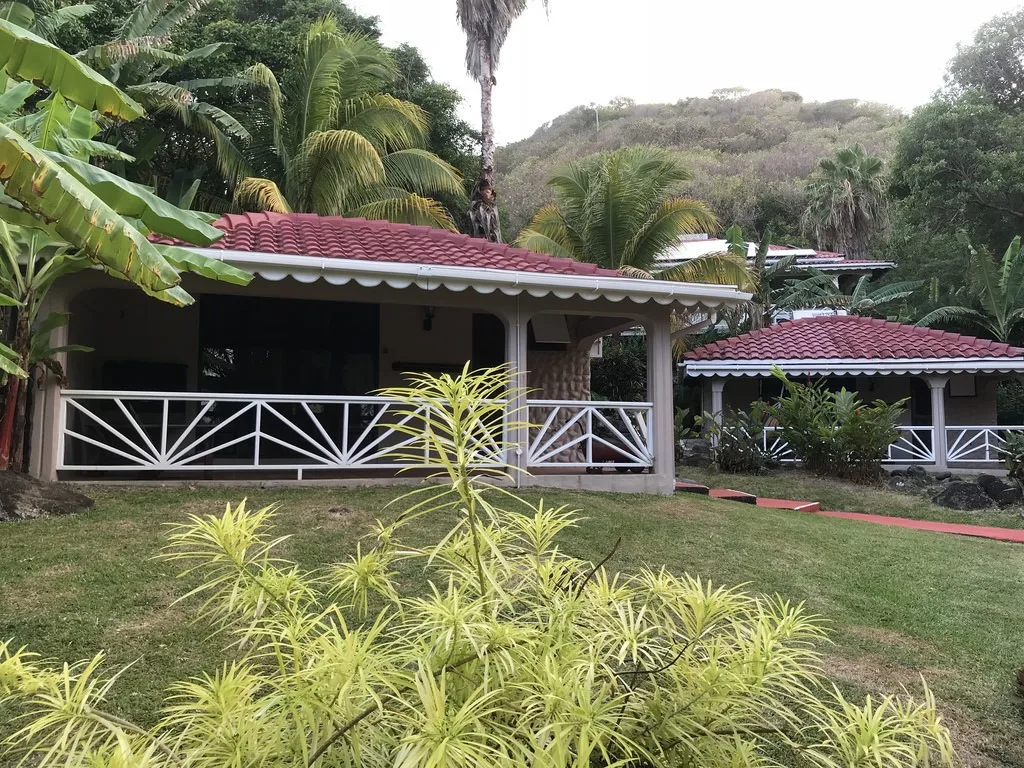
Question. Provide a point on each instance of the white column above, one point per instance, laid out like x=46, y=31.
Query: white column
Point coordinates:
x=45, y=437
x=717, y=402
x=660, y=365
x=937, y=385
x=515, y=355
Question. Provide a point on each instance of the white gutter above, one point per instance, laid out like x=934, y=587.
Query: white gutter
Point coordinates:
x=307, y=269
x=843, y=366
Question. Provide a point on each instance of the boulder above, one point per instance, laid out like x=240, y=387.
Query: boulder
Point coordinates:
x=993, y=486
x=962, y=495
x=1010, y=497
x=695, y=452
x=23, y=497
x=940, y=476
x=917, y=471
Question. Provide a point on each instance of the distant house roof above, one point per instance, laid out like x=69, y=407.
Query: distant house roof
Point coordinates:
x=851, y=345
x=826, y=261
x=308, y=247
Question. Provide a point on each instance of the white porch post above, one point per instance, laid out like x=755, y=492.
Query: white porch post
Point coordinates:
x=515, y=353
x=659, y=392
x=45, y=439
x=717, y=401
x=937, y=385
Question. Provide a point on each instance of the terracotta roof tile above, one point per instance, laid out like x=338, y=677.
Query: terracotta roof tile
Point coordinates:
x=306, y=234
x=850, y=337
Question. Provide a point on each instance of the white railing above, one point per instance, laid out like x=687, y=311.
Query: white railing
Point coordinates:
x=590, y=434
x=977, y=445
x=103, y=431
x=913, y=446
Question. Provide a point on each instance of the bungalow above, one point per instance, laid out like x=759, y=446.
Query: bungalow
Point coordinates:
x=276, y=380
x=950, y=380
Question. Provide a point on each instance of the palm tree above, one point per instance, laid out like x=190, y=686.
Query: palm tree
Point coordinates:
x=616, y=210
x=486, y=23
x=336, y=145
x=846, y=203
x=998, y=287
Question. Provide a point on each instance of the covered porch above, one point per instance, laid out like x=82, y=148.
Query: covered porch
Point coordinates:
x=278, y=380
x=948, y=380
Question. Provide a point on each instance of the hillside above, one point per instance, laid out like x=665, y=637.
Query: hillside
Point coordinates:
x=749, y=153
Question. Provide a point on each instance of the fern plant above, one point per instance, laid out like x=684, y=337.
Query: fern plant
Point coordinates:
x=513, y=653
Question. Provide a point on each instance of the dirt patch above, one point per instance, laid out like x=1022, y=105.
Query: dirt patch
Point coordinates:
x=48, y=588
x=891, y=638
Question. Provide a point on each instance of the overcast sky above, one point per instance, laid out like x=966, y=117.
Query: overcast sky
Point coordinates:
x=583, y=51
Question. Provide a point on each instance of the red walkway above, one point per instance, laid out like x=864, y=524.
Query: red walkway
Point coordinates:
x=1015, y=536
x=981, y=531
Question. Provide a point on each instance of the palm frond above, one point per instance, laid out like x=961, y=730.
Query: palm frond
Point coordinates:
x=142, y=18
x=407, y=209
x=951, y=314
x=255, y=194
x=718, y=269
x=673, y=219
x=390, y=123
x=333, y=166
x=422, y=172
x=129, y=50
x=182, y=11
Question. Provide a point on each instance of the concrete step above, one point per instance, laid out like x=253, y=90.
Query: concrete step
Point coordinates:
x=683, y=486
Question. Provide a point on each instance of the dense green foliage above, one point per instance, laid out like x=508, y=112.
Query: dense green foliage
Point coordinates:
x=620, y=374
x=748, y=155
x=835, y=434
x=738, y=440
x=516, y=654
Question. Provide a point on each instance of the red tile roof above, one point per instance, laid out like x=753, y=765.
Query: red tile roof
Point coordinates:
x=850, y=338
x=306, y=234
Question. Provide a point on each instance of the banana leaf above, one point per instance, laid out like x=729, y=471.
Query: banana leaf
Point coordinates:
x=136, y=201
x=188, y=261
x=25, y=56
x=14, y=98
x=83, y=219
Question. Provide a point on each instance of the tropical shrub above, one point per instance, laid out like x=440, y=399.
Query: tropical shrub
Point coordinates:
x=835, y=434
x=737, y=440
x=515, y=653
x=1013, y=456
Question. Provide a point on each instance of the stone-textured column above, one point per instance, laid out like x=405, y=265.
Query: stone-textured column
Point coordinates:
x=45, y=436
x=660, y=365
x=937, y=385
x=515, y=355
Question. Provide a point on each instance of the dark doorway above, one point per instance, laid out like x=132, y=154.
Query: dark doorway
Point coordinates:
x=488, y=341
x=287, y=346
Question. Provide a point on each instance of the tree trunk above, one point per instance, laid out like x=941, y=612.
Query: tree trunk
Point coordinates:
x=17, y=462
x=12, y=427
x=483, y=205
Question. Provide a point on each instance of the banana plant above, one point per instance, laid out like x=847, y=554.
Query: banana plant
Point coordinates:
x=59, y=214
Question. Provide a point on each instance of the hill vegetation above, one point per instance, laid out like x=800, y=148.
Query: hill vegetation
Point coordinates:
x=749, y=153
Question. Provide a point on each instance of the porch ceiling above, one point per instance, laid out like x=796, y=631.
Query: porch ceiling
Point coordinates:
x=400, y=275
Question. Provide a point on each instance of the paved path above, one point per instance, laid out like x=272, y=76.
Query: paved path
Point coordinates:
x=1015, y=536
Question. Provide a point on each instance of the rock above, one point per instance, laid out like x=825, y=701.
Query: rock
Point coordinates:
x=917, y=471
x=23, y=497
x=695, y=452
x=940, y=476
x=897, y=473
x=993, y=486
x=962, y=495
x=1010, y=497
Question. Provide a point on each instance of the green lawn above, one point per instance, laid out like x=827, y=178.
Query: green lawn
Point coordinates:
x=901, y=603
x=849, y=497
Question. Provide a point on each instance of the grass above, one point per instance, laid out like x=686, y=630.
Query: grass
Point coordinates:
x=849, y=497
x=901, y=603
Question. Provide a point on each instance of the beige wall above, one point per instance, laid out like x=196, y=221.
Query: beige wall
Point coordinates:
x=979, y=410
x=403, y=340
